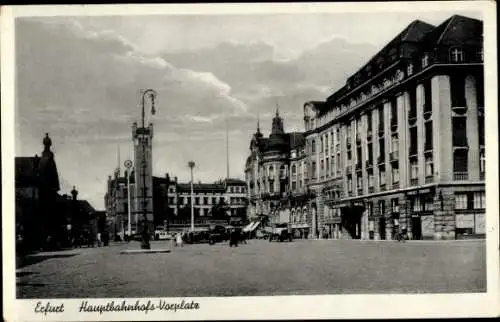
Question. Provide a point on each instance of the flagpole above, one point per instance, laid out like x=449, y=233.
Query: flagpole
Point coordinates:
x=227, y=150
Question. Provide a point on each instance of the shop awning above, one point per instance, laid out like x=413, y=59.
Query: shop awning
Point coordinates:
x=299, y=226
x=248, y=227
x=251, y=227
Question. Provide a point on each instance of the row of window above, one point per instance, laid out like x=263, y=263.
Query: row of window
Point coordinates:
x=470, y=200
x=237, y=189
x=197, y=200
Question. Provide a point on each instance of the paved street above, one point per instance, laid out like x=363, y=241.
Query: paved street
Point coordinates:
x=259, y=268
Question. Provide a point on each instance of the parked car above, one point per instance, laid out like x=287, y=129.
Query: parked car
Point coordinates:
x=217, y=235
x=280, y=233
x=197, y=237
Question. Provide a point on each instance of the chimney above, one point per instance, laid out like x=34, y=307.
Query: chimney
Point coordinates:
x=175, y=179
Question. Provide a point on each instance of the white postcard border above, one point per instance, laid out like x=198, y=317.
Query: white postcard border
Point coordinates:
x=276, y=307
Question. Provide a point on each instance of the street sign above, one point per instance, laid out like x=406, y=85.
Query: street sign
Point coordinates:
x=128, y=164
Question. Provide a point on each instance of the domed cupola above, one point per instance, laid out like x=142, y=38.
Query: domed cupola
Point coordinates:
x=278, y=139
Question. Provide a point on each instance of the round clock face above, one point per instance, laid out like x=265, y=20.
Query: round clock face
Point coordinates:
x=128, y=164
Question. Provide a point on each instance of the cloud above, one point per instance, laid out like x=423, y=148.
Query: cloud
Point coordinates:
x=82, y=85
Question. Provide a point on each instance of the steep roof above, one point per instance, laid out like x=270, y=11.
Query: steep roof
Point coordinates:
x=296, y=139
x=233, y=181
x=201, y=187
x=415, y=32
x=85, y=206
x=456, y=30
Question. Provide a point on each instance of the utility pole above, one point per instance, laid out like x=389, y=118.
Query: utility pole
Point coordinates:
x=128, y=166
x=145, y=229
x=227, y=149
x=191, y=165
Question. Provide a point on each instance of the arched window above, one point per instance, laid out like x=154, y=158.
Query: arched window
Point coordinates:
x=271, y=171
x=456, y=55
x=294, y=169
x=282, y=171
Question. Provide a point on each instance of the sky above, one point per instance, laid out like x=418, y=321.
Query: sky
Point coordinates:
x=79, y=79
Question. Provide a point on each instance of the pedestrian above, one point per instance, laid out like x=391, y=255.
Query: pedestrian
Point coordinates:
x=178, y=241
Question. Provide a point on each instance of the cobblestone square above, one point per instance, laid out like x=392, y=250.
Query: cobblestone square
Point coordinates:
x=258, y=268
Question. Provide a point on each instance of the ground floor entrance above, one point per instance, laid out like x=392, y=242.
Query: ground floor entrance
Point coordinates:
x=351, y=220
x=381, y=225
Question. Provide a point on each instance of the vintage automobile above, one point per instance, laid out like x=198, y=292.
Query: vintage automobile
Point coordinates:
x=217, y=234
x=279, y=232
x=197, y=237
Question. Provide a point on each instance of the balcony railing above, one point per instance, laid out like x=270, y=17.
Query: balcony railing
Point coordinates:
x=412, y=118
x=412, y=152
x=429, y=179
x=427, y=113
x=393, y=156
x=461, y=110
x=395, y=185
x=360, y=191
x=348, y=168
x=428, y=149
x=394, y=124
x=371, y=189
x=481, y=176
x=460, y=143
x=380, y=160
x=358, y=139
x=369, y=135
x=460, y=176
x=382, y=187
x=358, y=166
x=414, y=181
x=348, y=140
x=368, y=164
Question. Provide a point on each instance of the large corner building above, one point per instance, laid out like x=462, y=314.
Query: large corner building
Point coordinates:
x=401, y=144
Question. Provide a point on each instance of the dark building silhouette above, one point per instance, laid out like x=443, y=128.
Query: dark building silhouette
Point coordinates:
x=44, y=218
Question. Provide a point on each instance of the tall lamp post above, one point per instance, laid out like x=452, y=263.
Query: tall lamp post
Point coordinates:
x=151, y=94
x=128, y=166
x=191, y=165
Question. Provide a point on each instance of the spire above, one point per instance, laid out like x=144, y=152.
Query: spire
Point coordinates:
x=258, y=123
x=277, y=123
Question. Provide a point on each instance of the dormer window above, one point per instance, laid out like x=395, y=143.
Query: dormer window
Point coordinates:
x=425, y=60
x=480, y=55
x=456, y=55
x=409, y=69
x=399, y=75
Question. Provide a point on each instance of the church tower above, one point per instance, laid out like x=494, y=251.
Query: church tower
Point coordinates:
x=143, y=175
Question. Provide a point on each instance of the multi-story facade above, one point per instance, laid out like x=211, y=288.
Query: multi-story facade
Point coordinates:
x=228, y=193
x=172, y=202
x=401, y=145
x=277, y=178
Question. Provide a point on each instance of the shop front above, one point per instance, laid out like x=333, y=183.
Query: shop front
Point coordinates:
x=470, y=225
x=300, y=231
x=333, y=229
x=351, y=219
